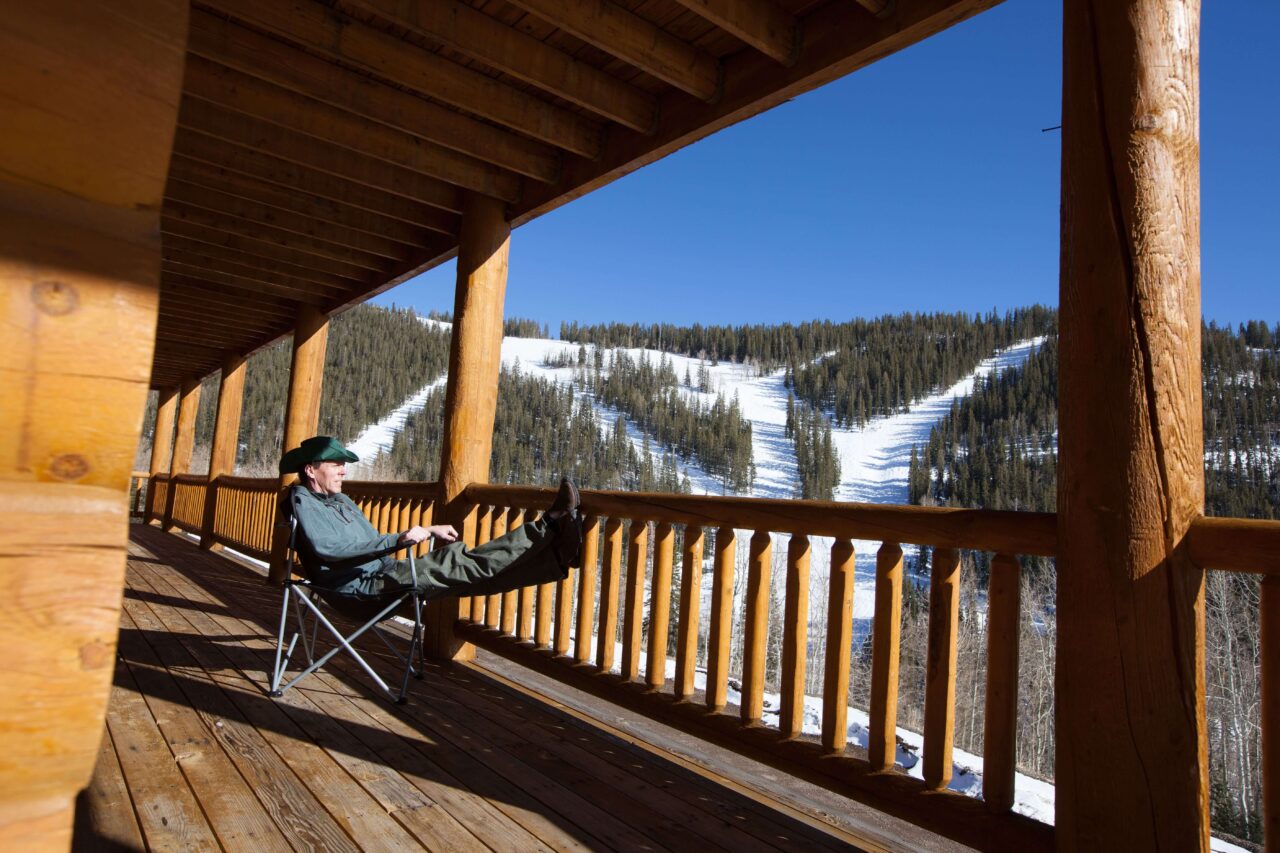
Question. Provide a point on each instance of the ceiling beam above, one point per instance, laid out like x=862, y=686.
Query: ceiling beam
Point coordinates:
x=269, y=59
x=291, y=176
x=204, y=298
x=838, y=38
x=266, y=138
x=195, y=267
x=631, y=38
x=287, y=220
x=253, y=97
x=213, y=177
x=262, y=249
x=174, y=242
x=759, y=23
x=330, y=34
x=186, y=285
x=488, y=40
x=197, y=258
x=225, y=223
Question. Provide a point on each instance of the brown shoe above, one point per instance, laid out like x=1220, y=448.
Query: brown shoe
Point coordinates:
x=566, y=502
x=568, y=541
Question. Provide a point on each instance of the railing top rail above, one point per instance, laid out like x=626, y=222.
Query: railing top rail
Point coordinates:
x=261, y=484
x=398, y=488
x=1235, y=544
x=1030, y=533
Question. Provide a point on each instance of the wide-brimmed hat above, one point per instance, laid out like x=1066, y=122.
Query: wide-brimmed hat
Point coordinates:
x=318, y=448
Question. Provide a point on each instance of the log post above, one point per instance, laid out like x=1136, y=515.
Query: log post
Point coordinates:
x=183, y=443
x=89, y=95
x=161, y=448
x=1132, y=769
x=226, y=437
x=302, y=412
x=471, y=395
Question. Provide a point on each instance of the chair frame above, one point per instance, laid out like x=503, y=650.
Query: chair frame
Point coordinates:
x=306, y=599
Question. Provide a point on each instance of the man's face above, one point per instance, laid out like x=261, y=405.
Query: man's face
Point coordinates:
x=327, y=476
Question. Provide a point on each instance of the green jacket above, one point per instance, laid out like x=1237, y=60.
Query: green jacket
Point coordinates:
x=336, y=544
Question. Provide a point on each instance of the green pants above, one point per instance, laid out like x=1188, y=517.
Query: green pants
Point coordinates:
x=524, y=557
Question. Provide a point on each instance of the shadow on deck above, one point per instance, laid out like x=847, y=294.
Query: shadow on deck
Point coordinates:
x=196, y=756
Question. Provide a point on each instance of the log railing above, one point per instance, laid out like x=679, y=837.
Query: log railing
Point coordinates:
x=188, y=501
x=567, y=631
x=243, y=513
x=642, y=532
x=157, y=497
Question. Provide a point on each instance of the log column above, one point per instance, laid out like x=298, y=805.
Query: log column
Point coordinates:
x=471, y=396
x=161, y=447
x=183, y=443
x=89, y=94
x=302, y=412
x=226, y=438
x=1131, y=744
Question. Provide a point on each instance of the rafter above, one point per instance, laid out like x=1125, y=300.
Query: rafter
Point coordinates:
x=249, y=95
x=632, y=39
x=269, y=59
x=212, y=177
x=176, y=243
x=229, y=223
x=266, y=138
x=196, y=267
x=196, y=257
x=759, y=23
x=181, y=283
x=262, y=249
x=506, y=49
x=287, y=220
x=283, y=173
x=337, y=36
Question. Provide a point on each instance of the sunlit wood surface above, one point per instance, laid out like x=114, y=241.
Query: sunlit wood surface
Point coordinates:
x=196, y=756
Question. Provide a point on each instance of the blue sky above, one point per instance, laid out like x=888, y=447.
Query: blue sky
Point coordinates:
x=923, y=182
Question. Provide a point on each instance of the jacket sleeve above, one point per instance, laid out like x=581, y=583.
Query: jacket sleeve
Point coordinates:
x=334, y=541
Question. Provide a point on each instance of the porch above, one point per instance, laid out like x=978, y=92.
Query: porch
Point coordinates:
x=196, y=756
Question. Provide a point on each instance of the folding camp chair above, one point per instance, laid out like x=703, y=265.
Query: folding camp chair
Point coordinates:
x=308, y=599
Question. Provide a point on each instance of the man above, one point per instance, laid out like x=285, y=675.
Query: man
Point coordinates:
x=341, y=550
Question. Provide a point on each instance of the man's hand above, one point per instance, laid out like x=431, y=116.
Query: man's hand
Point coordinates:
x=443, y=532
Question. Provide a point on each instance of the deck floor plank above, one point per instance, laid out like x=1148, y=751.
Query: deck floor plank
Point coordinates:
x=424, y=819
x=472, y=762
x=104, y=811
x=168, y=813
x=297, y=813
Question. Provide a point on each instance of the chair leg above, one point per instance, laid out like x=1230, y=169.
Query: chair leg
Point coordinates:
x=282, y=658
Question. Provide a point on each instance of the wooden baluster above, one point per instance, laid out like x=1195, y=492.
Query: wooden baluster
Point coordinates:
x=940, y=674
x=690, y=600
x=587, y=588
x=484, y=532
x=719, y=631
x=524, y=622
x=543, y=614
x=404, y=516
x=498, y=529
x=637, y=558
x=664, y=542
x=427, y=519
x=1001, y=723
x=835, y=687
x=1269, y=613
x=564, y=612
x=759, y=570
x=882, y=748
x=610, y=570
x=795, y=635
x=414, y=519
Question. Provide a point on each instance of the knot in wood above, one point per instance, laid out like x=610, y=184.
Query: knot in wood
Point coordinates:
x=55, y=297
x=69, y=466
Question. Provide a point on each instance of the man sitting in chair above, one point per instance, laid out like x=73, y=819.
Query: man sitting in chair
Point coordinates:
x=341, y=550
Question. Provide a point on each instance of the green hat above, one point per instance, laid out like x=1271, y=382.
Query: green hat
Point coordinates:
x=318, y=448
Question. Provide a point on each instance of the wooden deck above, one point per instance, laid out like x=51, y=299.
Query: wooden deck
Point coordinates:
x=196, y=756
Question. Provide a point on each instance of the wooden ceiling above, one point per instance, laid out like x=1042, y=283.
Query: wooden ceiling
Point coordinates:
x=323, y=148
